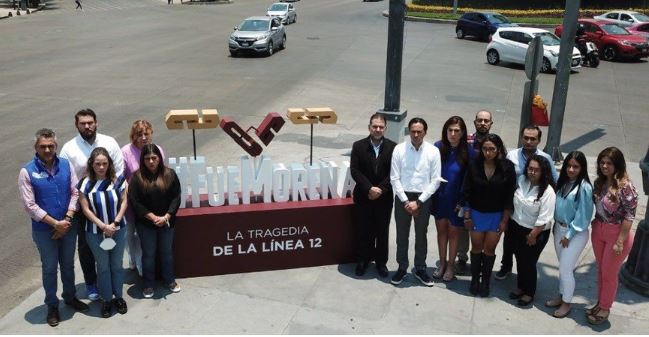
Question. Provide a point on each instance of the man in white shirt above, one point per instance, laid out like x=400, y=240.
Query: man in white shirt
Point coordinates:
x=530, y=137
x=77, y=151
x=415, y=175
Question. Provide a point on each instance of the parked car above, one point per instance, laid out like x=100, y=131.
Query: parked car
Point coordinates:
x=612, y=40
x=284, y=11
x=262, y=34
x=481, y=24
x=510, y=45
x=624, y=18
x=641, y=29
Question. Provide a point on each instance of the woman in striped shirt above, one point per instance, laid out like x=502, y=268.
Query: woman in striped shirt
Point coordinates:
x=103, y=201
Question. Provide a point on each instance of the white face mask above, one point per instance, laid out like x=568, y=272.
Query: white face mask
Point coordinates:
x=107, y=244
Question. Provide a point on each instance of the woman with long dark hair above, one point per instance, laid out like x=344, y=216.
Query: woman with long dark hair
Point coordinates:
x=531, y=221
x=154, y=194
x=102, y=197
x=456, y=154
x=572, y=213
x=616, y=200
x=489, y=187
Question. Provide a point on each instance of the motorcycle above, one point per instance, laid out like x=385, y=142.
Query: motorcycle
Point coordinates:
x=589, y=52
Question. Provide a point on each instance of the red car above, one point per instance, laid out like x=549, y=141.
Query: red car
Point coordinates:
x=613, y=41
x=641, y=28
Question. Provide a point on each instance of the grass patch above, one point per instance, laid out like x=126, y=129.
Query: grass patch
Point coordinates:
x=451, y=16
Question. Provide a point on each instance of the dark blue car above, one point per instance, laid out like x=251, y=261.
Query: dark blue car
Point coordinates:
x=481, y=24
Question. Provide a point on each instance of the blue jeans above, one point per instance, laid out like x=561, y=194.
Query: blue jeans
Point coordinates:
x=154, y=241
x=110, y=272
x=54, y=253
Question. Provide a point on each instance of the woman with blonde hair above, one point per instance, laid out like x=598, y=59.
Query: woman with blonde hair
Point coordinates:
x=140, y=135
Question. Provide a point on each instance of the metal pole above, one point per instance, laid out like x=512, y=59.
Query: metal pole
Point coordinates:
x=311, y=148
x=454, y=7
x=562, y=79
x=394, y=60
x=194, y=139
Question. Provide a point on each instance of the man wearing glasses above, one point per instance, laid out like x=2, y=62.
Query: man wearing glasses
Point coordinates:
x=530, y=137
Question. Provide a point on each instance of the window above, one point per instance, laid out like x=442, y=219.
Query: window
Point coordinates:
x=590, y=28
x=625, y=17
x=611, y=16
x=644, y=28
x=525, y=38
x=507, y=35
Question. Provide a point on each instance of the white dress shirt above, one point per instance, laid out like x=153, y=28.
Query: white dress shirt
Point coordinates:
x=415, y=170
x=78, y=150
x=529, y=212
x=517, y=156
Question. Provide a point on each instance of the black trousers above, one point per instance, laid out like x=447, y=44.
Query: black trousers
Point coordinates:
x=86, y=259
x=372, y=231
x=507, y=260
x=527, y=256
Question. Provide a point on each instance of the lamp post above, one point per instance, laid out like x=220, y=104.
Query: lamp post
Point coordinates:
x=635, y=272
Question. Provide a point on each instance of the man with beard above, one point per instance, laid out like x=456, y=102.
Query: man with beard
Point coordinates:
x=77, y=151
x=482, y=123
x=530, y=138
x=370, y=168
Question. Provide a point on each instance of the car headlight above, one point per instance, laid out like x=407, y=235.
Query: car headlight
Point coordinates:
x=626, y=43
x=554, y=53
x=232, y=38
x=263, y=37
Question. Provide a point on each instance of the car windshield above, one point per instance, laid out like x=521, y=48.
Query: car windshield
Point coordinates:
x=497, y=18
x=254, y=25
x=615, y=30
x=641, y=17
x=549, y=39
x=278, y=7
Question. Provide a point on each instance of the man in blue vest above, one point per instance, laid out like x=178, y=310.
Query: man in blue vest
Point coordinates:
x=47, y=190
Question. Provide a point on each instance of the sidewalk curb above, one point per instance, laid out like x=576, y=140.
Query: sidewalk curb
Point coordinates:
x=386, y=14
x=40, y=7
x=217, y=2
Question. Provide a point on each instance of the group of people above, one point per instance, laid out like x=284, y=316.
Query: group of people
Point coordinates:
x=110, y=199
x=477, y=191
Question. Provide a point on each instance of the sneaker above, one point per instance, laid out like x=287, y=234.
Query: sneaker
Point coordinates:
x=93, y=293
x=502, y=273
x=174, y=287
x=382, y=270
x=423, y=277
x=120, y=304
x=398, y=277
x=77, y=305
x=147, y=293
x=106, y=309
x=53, y=316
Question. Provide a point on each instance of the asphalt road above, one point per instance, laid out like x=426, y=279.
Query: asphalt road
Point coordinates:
x=139, y=59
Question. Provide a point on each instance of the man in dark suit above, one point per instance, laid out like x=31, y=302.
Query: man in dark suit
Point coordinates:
x=370, y=168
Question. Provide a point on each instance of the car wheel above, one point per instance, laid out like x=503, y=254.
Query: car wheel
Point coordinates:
x=270, y=50
x=609, y=53
x=493, y=57
x=283, y=45
x=233, y=53
x=459, y=33
x=593, y=60
x=546, y=67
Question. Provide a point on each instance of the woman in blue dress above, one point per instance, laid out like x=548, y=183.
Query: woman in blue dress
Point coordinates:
x=456, y=154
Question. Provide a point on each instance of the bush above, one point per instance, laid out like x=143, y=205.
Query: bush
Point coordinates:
x=535, y=4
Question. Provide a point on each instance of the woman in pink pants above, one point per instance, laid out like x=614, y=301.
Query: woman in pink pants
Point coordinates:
x=615, y=204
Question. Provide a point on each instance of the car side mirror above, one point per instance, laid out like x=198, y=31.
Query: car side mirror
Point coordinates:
x=235, y=28
x=273, y=29
x=484, y=22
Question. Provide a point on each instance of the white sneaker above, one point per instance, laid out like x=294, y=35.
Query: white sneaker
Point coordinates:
x=147, y=293
x=174, y=287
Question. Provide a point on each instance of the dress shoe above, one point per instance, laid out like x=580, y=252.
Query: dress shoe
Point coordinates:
x=361, y=268
x=53, y=316
x=120, y=305
x=106, y=309
x=382, y=270
x=77, y=305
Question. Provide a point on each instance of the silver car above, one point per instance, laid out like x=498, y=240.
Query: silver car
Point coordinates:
x=286, y=12
x=262, y=34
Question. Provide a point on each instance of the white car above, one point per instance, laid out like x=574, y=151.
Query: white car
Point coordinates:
x=624, y=18
x=283, y=11
x=510, y=45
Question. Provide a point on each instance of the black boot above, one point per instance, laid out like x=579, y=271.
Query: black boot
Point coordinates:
x=487, y=266
x=476, y=264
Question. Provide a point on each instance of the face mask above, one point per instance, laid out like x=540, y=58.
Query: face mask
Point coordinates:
x=107, y=243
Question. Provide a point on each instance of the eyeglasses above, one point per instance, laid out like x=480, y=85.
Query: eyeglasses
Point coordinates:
x=489, y=149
